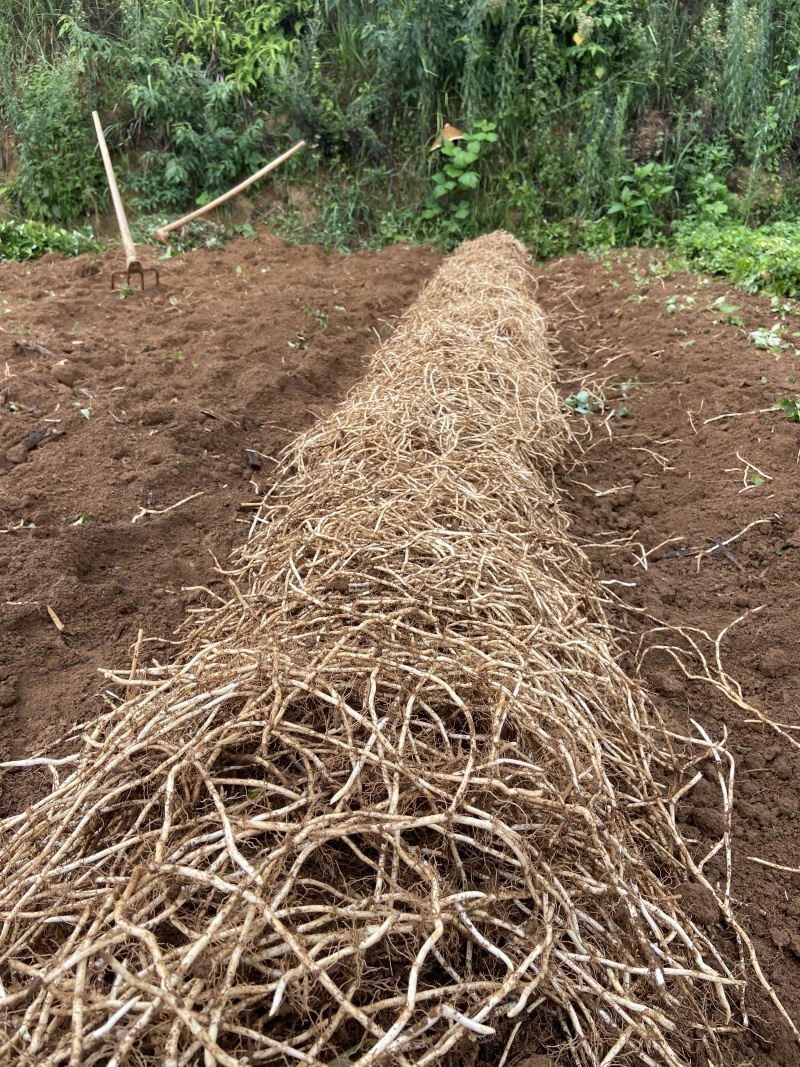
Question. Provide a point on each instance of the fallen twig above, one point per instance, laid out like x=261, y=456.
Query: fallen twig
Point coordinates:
x=774, y=866
x=162, y=511
x=737, y=414
x=718, y=546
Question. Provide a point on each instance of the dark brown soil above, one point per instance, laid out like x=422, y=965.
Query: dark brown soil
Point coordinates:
x=665, y=474
x=156, y=397
x=240, y=349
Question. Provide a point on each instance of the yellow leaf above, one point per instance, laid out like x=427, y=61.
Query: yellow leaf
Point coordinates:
x=576, y=37
x=449, y=133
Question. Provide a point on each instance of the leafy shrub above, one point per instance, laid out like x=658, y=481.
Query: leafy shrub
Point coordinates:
x=27, y=240
x=634, y=215
x=207, y=137
x=245, y=42
x=190, y=131
x=766, y=259
x=710, y=198
x=60, y=177
x=455, y=183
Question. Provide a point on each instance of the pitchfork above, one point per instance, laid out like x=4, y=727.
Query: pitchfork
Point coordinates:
x=133, y=265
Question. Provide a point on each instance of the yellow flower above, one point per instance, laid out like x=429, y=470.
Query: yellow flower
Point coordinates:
x=576, y=37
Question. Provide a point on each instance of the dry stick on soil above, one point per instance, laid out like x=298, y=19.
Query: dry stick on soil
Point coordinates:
x=775, y=866
x=737, y=414
x=397, y=792
x=718, y=546
x=711, y=669
x=140, y=514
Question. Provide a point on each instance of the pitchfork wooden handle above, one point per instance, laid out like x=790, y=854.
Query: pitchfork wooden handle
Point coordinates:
x=122, y=220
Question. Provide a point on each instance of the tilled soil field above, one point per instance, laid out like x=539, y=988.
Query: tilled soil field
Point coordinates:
x=139, y=430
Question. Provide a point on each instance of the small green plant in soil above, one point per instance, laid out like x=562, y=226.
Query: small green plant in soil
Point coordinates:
x=788, y=407
x=727, y=312
x=626, y=388
x=769, y=339
x=317, y=314
x=586, y=402
x=679, y=303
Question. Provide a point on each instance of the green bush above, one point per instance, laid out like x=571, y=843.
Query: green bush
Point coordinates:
x=60, y=177
x=766, y=259
x=207, y=139
x=246, y=43
x=613, y=117
x=27, y=240
x=451, y=205
x=634, y=216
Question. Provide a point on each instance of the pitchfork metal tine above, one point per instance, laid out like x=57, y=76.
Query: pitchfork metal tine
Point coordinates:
x=134, y=268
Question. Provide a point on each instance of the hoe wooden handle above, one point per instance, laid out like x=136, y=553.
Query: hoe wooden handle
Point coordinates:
x=161, y=233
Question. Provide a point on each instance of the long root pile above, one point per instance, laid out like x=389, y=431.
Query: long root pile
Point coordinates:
x=395, y=795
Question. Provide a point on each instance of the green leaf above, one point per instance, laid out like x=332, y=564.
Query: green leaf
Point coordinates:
x=584, y=402
x=469, y=180
x=789, y=407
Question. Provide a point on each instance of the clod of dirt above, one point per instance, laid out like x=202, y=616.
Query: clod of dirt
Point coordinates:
x=709, y=820
x=669, y=684
x=8, y=693
x=699, y=903
x=66, y=373
x=772, y=662
x=17, y=454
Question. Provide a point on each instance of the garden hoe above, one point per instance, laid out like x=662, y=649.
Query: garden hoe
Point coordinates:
x=161, y=233
x=133, y=265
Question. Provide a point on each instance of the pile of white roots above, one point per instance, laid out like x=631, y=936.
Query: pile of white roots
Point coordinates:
x=395, y=797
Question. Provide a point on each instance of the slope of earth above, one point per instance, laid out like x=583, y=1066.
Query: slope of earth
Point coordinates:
x=685, y=493
x=116, y=407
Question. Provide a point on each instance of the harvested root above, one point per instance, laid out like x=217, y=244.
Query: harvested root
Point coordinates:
x=396, y=794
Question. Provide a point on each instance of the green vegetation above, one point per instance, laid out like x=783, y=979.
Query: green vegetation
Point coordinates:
x=27, y=240
x=586, y=122
x=767, y=258
x=789, y=408
x=454, y=185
